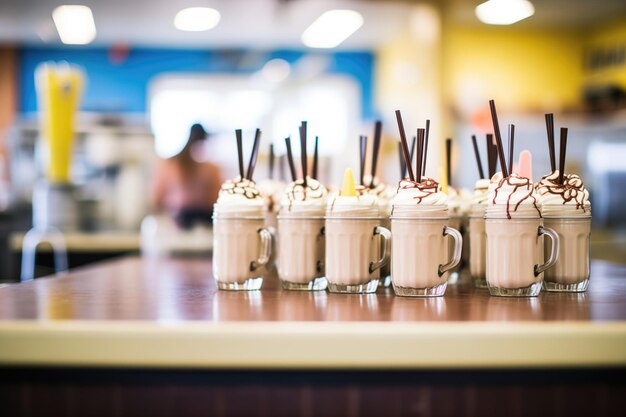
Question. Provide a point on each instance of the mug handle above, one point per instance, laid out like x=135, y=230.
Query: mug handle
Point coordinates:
x=319, y=265
x=458, y=248
x=266, y=249
x=554, y=249
x=386, y=235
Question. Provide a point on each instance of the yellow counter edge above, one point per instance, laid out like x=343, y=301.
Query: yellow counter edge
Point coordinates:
x=308, y=345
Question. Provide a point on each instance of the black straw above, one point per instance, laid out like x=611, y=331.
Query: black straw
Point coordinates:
x=239, y=151
x=562, y=150
x=420, y=154
x=362, y=150
x=271, y=173
x=303, y=152
x=377, y=133
x=292, y=167
x=511, y=145
x=426, y=146
x=402, y=162
x=551, y=149
x=405, y=146
x=315, y=157
x=253, y=156
x=496, y=129
x=481, y=173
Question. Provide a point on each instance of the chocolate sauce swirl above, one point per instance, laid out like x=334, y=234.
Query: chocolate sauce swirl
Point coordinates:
x=571, y=191
x=520, y=187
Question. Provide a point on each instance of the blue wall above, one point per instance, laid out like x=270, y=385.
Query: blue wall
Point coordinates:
x=123, y=87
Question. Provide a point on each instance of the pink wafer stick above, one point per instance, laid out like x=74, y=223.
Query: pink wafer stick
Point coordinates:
x=525, y=165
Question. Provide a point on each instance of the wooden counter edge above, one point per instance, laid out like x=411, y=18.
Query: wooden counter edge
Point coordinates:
x=312, y=345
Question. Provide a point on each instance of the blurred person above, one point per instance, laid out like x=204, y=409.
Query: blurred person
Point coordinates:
x=184, y=188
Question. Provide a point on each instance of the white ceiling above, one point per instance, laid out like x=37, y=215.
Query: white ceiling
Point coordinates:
x=264, y=24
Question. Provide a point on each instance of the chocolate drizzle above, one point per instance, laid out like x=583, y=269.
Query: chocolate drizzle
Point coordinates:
x=427, y=186
x=244, y=187
x=298, y=191
x=572, y=189
x=520, y=182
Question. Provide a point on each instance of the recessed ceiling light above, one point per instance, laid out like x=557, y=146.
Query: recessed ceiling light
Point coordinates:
x=75, y=24
x=332, y=28
x=504, y=12
x=197, y=19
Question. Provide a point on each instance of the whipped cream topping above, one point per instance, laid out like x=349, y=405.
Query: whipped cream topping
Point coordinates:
x=239, y=195
x=297, y=197
x=571, y=192
x=360, y=205
x=382, y=191
x=512, y=192
x=272, y=191
x=427, y=192
x=481, y=191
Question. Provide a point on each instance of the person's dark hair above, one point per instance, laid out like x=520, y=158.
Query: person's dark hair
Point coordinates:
x=184, y=158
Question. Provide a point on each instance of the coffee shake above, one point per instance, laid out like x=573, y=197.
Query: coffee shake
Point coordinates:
x=241, y=243
x=566, y=209
x=477, y=235
x=384, y=194
x=353, y=238
x=421, y=257
x=515, y=254
x=301, y=236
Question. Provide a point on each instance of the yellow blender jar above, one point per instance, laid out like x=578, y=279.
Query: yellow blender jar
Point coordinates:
x=59, y=88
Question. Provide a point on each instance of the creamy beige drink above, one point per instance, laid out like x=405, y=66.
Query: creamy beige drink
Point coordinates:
x=272, y=191
x=566, y=209
x=515, y=254
x=477, y=235
x=353, y=238
x=241, y=243
x=455, y=221
x=301, y=236
x=421, y=258
x=384, y=193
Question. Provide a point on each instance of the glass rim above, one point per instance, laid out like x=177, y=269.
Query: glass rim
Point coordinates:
x=353, y=218
x=567, y=217
x=279, y=217
x=417, y=218
x=214, y=217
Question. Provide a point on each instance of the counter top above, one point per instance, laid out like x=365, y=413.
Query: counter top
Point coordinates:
x=142, y=312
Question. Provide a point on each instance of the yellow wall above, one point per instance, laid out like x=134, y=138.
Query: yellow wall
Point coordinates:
x=523, y=70
x=607, y=35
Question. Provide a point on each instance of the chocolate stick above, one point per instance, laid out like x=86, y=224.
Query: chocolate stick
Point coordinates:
x=362, y=150
x=377, y=133
x=281, y=168
x=426, y=146
x=449, y=161
x=315, y=157
x=239, y=151
x=496, y=129
x=550, y=129
x=491, y=155
x=420, y=154
x=292, y=168
x=562, y=154
x=405, y=146
x=511, y=145
x=253, y=156
x=402, y=162
x=412, y=152
x=271, y=173
x=303, y=152
x=481, y=173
